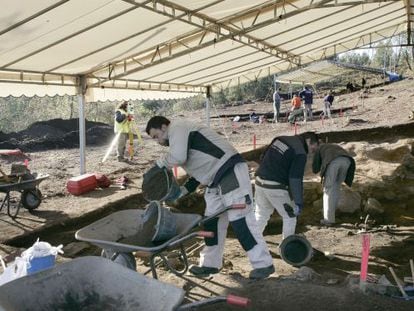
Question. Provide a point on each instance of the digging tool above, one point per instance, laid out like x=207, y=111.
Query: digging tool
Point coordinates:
x=398, y=283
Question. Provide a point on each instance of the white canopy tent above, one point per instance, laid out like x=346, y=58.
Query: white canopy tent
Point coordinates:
x=106, y=49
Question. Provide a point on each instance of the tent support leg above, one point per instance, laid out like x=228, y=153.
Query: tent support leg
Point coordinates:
x=82, y=131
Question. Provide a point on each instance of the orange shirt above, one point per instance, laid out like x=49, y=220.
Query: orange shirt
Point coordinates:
x=296, y=102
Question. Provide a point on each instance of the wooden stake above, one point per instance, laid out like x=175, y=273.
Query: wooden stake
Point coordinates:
x=398, y=283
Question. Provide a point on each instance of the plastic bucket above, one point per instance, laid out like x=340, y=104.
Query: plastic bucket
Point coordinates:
x=159, y=184
x=41, y=263
x=163, y=221
x=296, y=250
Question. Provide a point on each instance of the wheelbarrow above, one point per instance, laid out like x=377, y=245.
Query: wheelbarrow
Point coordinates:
x=120, y=234
x=94, y=283
x=27, y=185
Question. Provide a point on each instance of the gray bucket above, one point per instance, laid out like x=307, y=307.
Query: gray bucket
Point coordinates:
x=296, y=250
x=159, y=221
x=159, y=184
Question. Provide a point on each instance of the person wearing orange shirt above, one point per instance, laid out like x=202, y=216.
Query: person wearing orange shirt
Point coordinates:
x=296, y=109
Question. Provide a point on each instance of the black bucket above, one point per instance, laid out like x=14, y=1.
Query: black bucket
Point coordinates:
x=296, y=250
x=159, y=184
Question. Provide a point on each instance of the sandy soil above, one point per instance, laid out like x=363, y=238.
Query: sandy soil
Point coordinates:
x=328, y=287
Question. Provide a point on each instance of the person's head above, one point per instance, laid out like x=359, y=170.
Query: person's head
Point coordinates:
x=157, y=128
x=311, y=139
x=123, y=105
x=295, y=95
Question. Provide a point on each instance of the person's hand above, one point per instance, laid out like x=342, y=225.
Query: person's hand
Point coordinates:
x=297, y=209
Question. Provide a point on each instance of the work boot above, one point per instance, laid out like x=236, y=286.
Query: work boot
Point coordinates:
x=202, y=271
x=261, y=273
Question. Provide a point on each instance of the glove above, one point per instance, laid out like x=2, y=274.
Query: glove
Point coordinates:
x=178, y=195
x=297, y=209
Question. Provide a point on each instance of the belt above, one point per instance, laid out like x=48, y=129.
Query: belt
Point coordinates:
x=265, y=185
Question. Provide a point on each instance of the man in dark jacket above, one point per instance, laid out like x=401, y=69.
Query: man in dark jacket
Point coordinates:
x=336, y=166
x=279, y=180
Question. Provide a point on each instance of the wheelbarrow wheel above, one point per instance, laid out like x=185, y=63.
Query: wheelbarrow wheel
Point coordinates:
x=124, y=259
x=31, y=199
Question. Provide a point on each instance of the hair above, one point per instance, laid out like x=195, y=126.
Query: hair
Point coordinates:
x=156, y=123
x=312, y=136
x=123, y=105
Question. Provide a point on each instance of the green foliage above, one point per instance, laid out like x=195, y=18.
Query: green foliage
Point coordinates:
x=355, y=58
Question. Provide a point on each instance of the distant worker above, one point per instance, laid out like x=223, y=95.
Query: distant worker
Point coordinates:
x=350, y=87
x=279, y=181
x=363, y=83
x=276, y=105
x=327, y=103
x=296, y=109
x=307, y=97
x=336, y=166
x=121, y=126
x=210, y=160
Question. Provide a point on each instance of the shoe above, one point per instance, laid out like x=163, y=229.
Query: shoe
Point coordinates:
x=203, y=271
x=326, y=223
x=261, y=273
x=121, y=159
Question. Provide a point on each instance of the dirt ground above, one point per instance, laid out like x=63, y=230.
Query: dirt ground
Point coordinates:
x=330, y=285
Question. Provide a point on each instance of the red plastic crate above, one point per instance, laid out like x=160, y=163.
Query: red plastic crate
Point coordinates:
x=81, y=184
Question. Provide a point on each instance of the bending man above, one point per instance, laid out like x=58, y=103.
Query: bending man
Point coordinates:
x=210, y=160
x=279, y=181
x=335, y=166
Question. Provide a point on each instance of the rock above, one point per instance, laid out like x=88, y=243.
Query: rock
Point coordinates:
x=74, y=248
x=305, y=274
x=318, y=203
x=373, y=207
x=349, y=201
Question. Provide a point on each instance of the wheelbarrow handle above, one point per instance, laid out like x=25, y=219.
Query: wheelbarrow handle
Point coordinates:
x=205, y=234
x=230, y=299
x=221, y=211
x=237, y=301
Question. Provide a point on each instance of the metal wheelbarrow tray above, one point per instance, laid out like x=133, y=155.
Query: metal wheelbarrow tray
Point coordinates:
x=94, y=283
x=27, y=185
x=88, y=283
x=120, y=233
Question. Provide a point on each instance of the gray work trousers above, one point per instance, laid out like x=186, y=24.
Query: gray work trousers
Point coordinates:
x=334, y=176
x=123, y=137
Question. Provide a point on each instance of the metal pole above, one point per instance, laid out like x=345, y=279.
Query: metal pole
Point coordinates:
x=208, y=97
x=82, y=131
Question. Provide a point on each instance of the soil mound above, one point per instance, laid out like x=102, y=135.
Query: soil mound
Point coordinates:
x=56, y=134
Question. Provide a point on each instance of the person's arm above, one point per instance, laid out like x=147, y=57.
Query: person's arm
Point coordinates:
x=296, y=173
x=317, y=162
x=178, y=143
x=120, y=117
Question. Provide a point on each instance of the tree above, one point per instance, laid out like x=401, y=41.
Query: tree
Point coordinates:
x=355, y=58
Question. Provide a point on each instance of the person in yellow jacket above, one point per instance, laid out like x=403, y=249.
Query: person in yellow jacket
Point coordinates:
x=122, y=127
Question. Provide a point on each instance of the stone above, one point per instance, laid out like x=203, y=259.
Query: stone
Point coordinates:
x=373, y=207
x=305, y=274
x=349, y=201
x=74, y=248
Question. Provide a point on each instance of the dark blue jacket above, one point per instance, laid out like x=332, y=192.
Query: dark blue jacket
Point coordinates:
x=307, y=96
x=284, y=162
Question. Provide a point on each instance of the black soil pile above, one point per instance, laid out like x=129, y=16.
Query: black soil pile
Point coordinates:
x=56, y=134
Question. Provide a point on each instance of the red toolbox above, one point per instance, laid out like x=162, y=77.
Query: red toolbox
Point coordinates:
x=81, y=184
